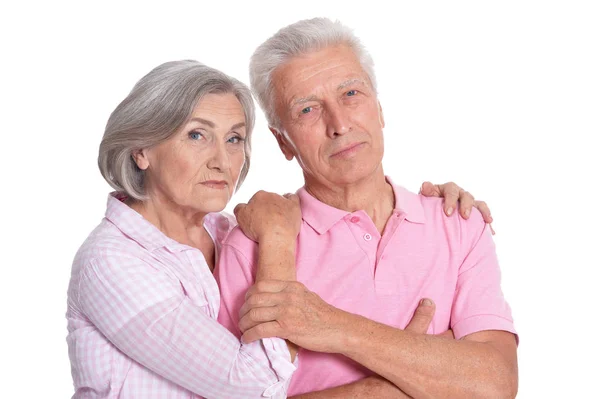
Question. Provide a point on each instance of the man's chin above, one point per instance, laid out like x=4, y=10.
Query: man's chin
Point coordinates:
x=355, y=174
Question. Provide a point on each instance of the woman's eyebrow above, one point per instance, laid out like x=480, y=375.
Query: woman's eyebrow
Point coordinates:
x=212, y=125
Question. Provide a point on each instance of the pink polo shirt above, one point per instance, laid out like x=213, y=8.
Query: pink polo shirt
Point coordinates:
x=342, y=257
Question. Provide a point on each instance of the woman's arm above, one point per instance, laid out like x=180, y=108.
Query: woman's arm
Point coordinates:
x=146, y=314
x=274, y=222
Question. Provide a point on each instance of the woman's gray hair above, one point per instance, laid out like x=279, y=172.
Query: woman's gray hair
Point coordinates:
x=296, y=39
x=157, y=107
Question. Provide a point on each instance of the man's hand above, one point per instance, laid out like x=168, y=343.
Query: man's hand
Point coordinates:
x=287, y=309
x=269, y=214
x=454, y=195
x=422, y=318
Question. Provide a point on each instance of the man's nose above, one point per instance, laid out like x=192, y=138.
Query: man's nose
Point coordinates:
x=338, y=122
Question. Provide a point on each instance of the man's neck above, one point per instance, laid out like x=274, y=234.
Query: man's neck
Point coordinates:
x=372, y=194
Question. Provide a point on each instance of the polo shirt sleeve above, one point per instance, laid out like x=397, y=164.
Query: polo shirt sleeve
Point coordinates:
x=479, y=303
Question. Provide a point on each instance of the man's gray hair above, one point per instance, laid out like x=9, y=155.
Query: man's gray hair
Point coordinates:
x=157, y=107
x=299, y=38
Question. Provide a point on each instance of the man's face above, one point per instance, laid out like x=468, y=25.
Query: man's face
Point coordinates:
x=330, y=117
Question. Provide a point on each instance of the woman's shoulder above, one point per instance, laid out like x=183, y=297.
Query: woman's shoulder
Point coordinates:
x=106, y=241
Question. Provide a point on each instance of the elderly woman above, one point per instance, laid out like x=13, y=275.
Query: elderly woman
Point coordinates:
x=142, y=301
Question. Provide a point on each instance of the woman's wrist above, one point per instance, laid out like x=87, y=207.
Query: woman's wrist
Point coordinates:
x=277, y=257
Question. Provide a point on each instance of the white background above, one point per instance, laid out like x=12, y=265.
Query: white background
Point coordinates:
x=501, y=97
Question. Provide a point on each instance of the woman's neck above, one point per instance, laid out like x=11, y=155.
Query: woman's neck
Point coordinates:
x=185, y=226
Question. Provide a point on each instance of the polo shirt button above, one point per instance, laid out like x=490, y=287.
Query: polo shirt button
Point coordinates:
x=354, y=219
x=367, y=237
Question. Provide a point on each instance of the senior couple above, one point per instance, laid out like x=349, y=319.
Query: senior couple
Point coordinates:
x=352, y=287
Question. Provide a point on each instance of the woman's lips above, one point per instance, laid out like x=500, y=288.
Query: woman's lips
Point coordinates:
x=216, y=184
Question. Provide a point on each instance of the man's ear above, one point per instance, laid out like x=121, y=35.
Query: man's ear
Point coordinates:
x=381, y=119
x=141, y=159
x=283, y=145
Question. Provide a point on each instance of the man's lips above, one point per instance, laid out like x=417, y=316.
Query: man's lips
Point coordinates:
x=348, y=150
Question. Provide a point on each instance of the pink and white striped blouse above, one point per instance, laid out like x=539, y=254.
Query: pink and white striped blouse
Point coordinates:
x=142, y=312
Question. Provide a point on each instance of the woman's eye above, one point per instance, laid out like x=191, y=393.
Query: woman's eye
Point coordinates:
x=235, y=140
x=352, y=93
x=195, y=135
x=306, y=110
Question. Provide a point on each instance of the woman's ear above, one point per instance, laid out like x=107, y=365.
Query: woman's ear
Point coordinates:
x=141, y=159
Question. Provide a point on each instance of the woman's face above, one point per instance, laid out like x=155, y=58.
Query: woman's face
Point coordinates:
x=197, y=169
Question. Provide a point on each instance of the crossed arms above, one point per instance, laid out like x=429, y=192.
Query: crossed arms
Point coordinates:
x=408, y=362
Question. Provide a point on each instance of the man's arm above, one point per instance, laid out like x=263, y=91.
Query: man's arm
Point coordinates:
x=482, y=364
x=369, y=387
x=377, y=386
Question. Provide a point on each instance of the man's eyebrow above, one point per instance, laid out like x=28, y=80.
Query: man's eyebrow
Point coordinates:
x=341, y=86
x=212, y=125
x=303, y=100
x=351, y=82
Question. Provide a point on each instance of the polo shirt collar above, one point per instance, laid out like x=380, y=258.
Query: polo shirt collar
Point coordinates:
x=322, y=217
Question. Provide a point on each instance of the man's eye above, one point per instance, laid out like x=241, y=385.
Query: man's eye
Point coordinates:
x=306, y=110
x=352, y=93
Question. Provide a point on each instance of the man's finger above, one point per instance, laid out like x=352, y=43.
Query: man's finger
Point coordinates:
x=422, y=317
x=261, y=299
x=466, y=203
x=485, y=211
x=264, y=330
x=257, y=316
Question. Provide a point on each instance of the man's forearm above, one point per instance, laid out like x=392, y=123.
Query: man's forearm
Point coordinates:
x=370, y=387
x=426, y=366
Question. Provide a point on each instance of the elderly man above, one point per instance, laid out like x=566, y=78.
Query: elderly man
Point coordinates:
x=369, y=251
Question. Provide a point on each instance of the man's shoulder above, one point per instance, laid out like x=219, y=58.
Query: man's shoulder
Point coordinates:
x=433, y=207
x=238, y=240
x=460, y=233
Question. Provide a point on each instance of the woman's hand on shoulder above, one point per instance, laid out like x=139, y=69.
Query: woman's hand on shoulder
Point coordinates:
x=269, y=215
